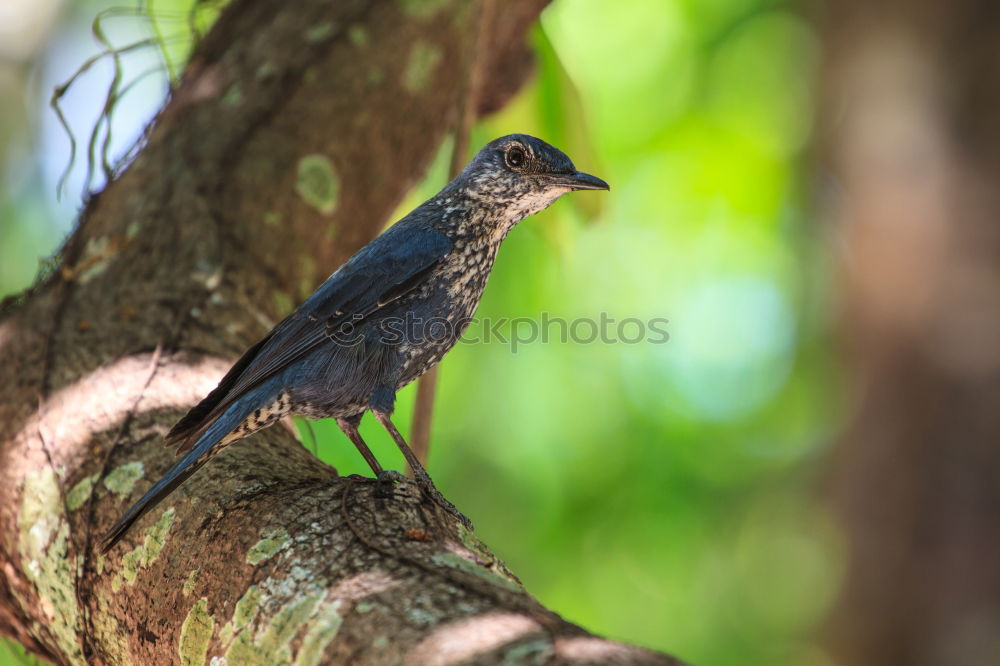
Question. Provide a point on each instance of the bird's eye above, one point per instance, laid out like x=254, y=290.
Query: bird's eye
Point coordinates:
x=515, y=157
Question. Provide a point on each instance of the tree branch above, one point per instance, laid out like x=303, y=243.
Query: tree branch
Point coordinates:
x=295, y=131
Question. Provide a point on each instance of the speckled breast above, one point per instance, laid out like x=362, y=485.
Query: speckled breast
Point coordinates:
x=442, y=308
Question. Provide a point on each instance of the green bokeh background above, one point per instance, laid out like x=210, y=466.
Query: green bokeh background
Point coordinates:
x=662, y=494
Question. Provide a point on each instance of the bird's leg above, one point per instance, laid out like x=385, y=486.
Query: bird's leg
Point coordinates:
x=420, y=475
x=385, y=478
x=350, y=427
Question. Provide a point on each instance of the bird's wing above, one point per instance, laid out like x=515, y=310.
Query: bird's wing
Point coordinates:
x=380, y=273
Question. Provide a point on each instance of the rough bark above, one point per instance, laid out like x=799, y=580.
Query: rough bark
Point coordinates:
x=912, y=97
x=295, y=131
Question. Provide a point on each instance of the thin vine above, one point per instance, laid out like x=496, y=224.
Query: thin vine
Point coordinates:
x=167, y=30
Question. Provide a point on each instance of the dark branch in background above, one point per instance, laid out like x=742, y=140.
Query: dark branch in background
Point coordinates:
x=912, y=94
x=293, y=133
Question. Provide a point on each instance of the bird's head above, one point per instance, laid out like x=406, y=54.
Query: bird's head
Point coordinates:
x=522, y=175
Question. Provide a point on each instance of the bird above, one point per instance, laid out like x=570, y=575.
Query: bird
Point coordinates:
x=384, y=317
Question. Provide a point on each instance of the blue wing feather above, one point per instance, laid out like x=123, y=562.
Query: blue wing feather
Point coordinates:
x=404, y=253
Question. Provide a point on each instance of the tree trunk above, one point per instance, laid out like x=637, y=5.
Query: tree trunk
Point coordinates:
x=912, y=101
x=295, y=131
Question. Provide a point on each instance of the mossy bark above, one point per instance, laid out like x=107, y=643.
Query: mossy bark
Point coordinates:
x=294, y=132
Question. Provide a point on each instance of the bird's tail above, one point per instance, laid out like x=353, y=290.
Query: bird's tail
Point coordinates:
x=210, y=443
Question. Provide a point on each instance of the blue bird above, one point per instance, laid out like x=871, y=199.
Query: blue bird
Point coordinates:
x=382, y=319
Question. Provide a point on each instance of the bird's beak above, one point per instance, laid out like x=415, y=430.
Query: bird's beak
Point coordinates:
x=579, y=181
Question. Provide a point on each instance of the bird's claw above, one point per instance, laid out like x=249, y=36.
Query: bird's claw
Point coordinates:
x=385, y=481
x=432, y=493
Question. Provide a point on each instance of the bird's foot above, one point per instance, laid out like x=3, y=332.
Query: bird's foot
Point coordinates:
x=432, y=493
x=385, y=480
